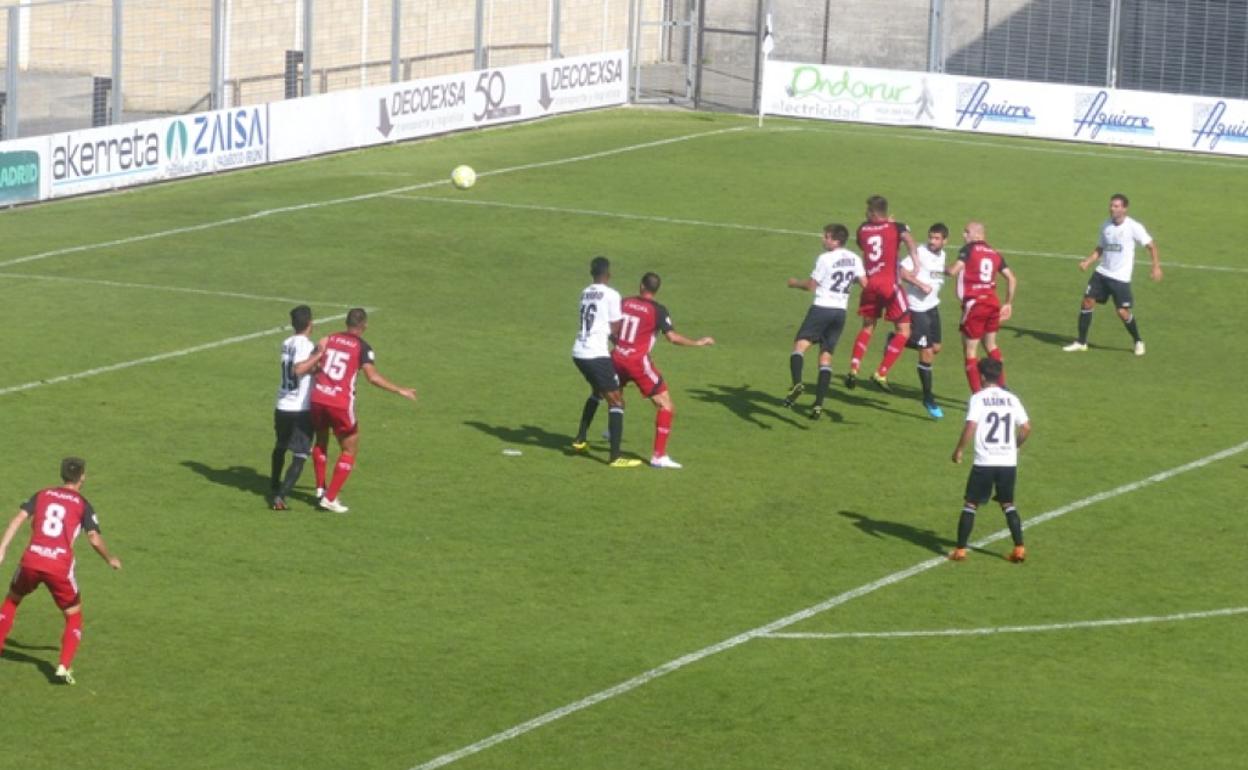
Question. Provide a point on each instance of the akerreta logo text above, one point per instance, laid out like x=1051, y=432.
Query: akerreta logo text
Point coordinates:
x=1090, y=113
x=1208, y=126
x=110, y=155
x=973, y=103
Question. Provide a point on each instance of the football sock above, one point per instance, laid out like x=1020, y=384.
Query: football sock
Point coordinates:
x=896, y=344
x=1085, y=323
x=925, y=379
x=275, y=476
x=8, y=611
x=1014, y=523
x=995, y=355
x=860, y=348
x=966, y=522
x=972, y=374
x=615, y=428
x=1132, y=328
x=587, y=417
x=318, y=465
x=292, y=475
x=662, y=428
x=795, y=367
x=71, y=638
x=342, y=469
x=821, y=387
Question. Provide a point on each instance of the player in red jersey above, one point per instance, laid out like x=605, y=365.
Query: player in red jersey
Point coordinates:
x=880, y=239
x=643, y=321
x=982, y=312
x=59, y=514
x=333, y=402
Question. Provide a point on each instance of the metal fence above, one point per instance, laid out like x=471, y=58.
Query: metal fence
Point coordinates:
x=1175, y=46
x=70, y=64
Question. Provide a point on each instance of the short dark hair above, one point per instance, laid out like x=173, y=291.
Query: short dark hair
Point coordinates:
x=990, y=369
x=1126, y=204
x=356, y=317
x=599, y=267
x=877, y=204
x=651, y=282
x=301, y=318
x=839, y=232
x=72, y=469
x=940, y=229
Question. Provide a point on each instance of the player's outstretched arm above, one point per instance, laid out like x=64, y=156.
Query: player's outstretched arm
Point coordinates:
x=956, y=267
x=1156, y=256
x=680, y=339
x=807, y=285
x=97, y=542
x=1095, y=255
x=967, y=433
x=375, y=378
x=11, y=531
x=1011, y=286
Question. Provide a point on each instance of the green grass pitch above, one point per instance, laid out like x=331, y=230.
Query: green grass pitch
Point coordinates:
x=469, y=591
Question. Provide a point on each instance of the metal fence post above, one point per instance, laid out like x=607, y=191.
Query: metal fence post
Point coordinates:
x=118, y=88
x=307, y=47
x=478, y=37
x=1115, y=33
x=396, y=38
x=10, y=74
x=556, y=10
x=216, y=88
x=936, y=37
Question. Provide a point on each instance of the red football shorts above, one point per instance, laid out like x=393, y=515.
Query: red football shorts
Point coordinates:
x=639, y=369
x=341, y=421
x=63, y=587
x=883, y=300
x=979, y=317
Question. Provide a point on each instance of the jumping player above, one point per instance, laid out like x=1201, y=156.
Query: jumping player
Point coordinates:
x=879, y=239
x=982, y=312
x=836, y=270
x=58, y=514
x=344, y=354
x=643, y=321
x=996, y=419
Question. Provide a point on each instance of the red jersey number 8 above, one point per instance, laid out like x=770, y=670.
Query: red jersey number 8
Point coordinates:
x=54, y=520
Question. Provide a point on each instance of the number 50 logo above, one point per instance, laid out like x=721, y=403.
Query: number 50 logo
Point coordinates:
x=493, y=89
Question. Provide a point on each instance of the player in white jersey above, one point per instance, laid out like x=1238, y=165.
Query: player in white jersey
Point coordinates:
x=292, y=417
x=923, y=296
x=998, y=423
x=836, y=270
x=1116, y=250
x=591, y=352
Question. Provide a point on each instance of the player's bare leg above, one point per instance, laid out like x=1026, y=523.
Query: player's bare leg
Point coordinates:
x=896, y=345
x=972, y=363
x=320, y=455
x=1085, y=324
x=662, y=429
x=8, y=611
x=350, y=445
x=994, y=352
x=69, y=643
x=796, y=360
x=615, y=429
x=1128, y=320
x=861, y=342
x=824, y=382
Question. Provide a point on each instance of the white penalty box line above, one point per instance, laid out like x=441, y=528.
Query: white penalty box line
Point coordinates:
x=678, y=221
x=994, y=630
x=775, y=626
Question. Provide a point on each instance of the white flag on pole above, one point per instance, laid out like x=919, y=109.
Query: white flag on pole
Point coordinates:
x=769, y=44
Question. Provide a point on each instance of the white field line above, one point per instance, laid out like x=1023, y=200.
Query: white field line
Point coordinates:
x=731, y=226
x=356, y=198
x=1014, y=629
x=152, y=359
x=176, y=289
x=809, y=612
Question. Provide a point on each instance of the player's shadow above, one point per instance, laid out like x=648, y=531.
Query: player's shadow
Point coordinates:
x=753, y=406
x=1059, y=340
x=926, y=539
x=859, y=397
x=526, y=435
x=243, y=478
x=45, y=667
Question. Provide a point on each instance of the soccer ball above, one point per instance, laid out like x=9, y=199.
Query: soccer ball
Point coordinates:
x=463, y=177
